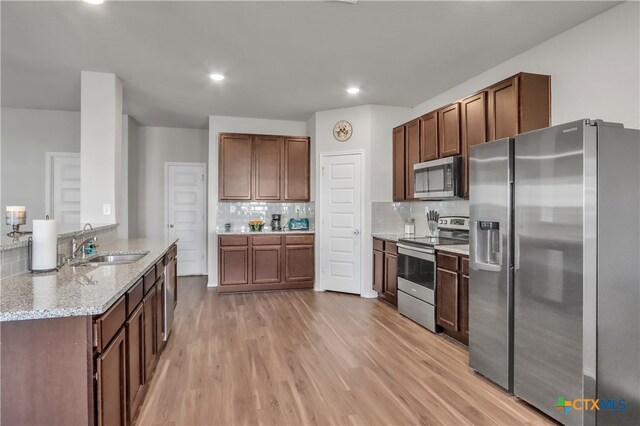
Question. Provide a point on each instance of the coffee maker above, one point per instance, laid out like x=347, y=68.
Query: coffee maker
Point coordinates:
x=275, y=222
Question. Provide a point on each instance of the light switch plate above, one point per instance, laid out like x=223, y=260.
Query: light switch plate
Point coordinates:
x=106, y=209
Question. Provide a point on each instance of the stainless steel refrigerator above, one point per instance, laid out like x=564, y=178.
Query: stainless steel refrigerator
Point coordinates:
x=554, y=291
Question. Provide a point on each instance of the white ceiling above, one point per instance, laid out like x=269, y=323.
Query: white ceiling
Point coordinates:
x=283, y=60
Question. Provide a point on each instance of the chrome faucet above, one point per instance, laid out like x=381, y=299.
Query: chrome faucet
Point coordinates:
x=75, y=247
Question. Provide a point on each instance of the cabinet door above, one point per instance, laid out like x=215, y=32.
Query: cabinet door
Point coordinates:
x=112, y=382
x=148, y=306
x=268, y=157
x=464, y=307
x=473, y=128
x=234, y=167
x=299, y=263
x=447, y=299
x=398, y=164
x=159, y=323
x=412, y=134
x=429, y=136
x=296, y=169
x=378, y=271
x=135, y=360
x=449, y=130
x=391, y=278
x=503, y=109
x=266, y=264
x=234, y=265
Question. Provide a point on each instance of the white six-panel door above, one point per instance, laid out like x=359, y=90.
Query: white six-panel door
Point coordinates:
x=185, y=209
x=340, y=215
x=63, y=187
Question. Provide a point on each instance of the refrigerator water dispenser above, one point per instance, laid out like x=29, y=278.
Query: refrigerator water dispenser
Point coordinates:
x=488, y=244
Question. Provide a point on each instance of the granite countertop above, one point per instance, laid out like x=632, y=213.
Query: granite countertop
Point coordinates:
x=77, y=290
x=457, y=249
x=309, y=231
x=64, y=231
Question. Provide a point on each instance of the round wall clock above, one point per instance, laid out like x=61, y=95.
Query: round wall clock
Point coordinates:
x=342, y=130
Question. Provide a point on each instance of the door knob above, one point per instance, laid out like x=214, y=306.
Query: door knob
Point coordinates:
x=356, y=232
x=170, y=226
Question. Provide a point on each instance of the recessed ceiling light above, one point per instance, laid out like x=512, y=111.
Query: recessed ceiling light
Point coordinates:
x=94, y=1
x=353, y=90
x=216, y=77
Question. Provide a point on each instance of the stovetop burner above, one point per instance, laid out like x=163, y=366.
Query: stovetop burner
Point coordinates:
x=432, y=241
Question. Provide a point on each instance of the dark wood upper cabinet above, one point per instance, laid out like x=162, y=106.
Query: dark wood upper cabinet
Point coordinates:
x=111, y=398
x=519, y=104
x=473, y=128
x=429, y=137
x=296, y=169
x=412, y=135
x=268, y=155
x=399, y=163
x=235, y=169
x=449, y=130
x=447, y=299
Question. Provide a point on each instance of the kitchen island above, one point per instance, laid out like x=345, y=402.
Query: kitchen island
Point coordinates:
x=79, y=345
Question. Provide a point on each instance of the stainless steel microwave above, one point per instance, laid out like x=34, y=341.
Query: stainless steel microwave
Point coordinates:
x=438, y=179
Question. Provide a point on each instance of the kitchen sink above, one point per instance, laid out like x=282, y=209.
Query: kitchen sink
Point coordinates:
x=111, y=259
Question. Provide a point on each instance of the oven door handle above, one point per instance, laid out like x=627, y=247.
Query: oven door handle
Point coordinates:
x=425, y=254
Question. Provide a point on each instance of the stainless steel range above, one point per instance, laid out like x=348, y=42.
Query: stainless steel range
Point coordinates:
x=417, y=269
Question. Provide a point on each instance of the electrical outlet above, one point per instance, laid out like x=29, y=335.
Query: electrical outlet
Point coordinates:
x=106, y=209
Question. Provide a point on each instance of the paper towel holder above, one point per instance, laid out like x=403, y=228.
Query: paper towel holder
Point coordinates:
x=30, y=257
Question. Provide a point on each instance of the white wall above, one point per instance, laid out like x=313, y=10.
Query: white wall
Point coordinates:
x=594, y=68
x=100, y=146
x=27, y=134
x=218, y=124
x=156, y=146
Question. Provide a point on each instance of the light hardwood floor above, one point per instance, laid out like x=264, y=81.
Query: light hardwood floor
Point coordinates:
x=301, y=357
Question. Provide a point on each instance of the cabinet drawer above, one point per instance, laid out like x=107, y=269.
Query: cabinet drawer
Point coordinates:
x=447, y=261
x=237, y=240
x=391, y=248
x=109, y=323
x=378, y=244
x=298, y=239
x=464, y=268
x=266, y=240
x=134, y=296
x=149, y=279
x=159, y=268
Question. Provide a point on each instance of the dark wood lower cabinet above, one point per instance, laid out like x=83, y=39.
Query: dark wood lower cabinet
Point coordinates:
x=265, y=262
x=299, y=263
x=266, y=267
x=135, y=361
x=149, y=308
x=111, y=385
x=385, y=270
x=91, y=369
x=447, y=299
x=452, y=295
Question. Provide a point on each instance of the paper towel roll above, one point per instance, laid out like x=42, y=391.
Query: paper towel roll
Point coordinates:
x=45, y=245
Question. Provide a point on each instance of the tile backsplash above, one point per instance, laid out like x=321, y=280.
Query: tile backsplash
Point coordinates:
x=239, y=214
x=389, y=217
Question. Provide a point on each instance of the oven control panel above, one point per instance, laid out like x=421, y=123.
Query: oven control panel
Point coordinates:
x=454, y=222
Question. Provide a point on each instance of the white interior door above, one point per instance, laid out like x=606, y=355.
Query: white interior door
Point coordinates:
x=63, y=187
x=340, y=215
x=185, y=207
